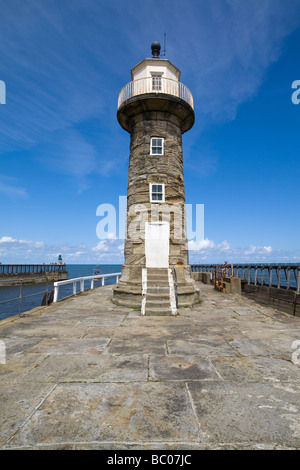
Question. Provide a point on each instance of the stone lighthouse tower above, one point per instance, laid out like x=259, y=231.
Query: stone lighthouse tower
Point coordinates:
x=156, y=109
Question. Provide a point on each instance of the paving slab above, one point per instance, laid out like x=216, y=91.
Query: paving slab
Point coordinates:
x=201, y=347
x=18, y=403
x=136, y=412
x=87, y=374
x=89, y=368
x=79, y=346
x=252, y=412
x=138, y=345
x=184, y=368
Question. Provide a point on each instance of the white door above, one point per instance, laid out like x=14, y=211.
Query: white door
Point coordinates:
x=157, y=236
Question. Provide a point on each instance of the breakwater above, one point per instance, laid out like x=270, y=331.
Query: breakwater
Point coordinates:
x=274, y=284
x=11, y=274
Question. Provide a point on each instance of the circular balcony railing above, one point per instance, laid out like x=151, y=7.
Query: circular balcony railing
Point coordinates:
x=157, y=85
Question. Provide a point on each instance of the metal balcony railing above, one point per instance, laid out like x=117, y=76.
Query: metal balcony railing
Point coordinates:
x=157, y=85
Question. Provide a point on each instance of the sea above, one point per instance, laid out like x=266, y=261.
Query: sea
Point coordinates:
x=32, y=294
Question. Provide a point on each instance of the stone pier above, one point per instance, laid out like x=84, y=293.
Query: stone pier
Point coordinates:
x=11, y=274
x=87, y=374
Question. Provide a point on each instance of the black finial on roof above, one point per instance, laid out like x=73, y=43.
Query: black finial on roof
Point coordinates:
x=155, y=47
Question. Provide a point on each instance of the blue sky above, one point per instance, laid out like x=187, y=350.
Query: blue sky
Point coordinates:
x=63, y=153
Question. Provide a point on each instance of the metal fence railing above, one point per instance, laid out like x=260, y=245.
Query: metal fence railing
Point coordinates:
x=81, y=281
x=51, y=290
x=286, y=276
x=46, y=298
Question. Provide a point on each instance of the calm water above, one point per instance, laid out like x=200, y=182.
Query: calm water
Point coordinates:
x=8, y=309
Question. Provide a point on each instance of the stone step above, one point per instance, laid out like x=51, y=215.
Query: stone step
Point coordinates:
x=157, y=270
x=157, y=311
x=161, y=277
x=158, y=295
x=158, y=290
x=159, y=282
x=158, y=302
x=155, y=285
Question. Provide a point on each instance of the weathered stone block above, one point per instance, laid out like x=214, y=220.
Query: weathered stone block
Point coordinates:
x=235, y=285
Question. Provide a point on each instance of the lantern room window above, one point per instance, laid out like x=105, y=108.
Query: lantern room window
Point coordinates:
x=156, y=81
x=157, y=146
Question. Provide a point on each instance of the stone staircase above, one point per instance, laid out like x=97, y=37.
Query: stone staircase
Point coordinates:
x=158, y=292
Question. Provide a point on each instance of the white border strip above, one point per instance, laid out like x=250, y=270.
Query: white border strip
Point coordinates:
x=144, y=290
x=172, y=293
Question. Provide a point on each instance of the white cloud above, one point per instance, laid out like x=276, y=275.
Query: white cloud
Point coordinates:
x=200, y=245
x=70, y=85
x=252, y=249
x=236, y=40
x=258, y=250
x=111, y=251
x=9, y=186
x=7, y=239
x=100, y=247
x=224, y=246
x=14, y=250
x=13, y=241
x=75, y=255
x=111, y=236
x=208, y=245
x=208, y=251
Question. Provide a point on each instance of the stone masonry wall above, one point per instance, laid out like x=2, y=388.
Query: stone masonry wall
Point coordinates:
x=145, y=169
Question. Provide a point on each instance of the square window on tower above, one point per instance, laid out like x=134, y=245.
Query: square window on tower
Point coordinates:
x=157, y=146
x=157, y=192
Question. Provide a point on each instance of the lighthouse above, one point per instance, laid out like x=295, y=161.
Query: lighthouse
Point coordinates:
x=155, y=108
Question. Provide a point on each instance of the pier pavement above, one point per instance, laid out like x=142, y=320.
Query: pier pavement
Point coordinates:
x=86, y=374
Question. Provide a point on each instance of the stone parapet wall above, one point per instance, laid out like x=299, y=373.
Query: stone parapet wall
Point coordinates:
x=286, y=300
x=204, y=277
